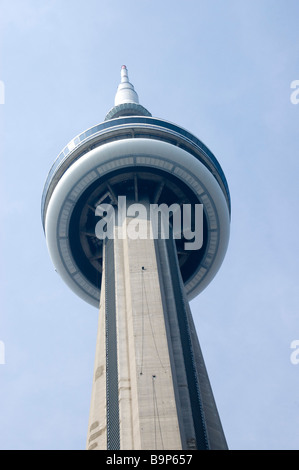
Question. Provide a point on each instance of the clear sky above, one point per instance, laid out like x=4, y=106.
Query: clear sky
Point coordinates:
x=221, y=69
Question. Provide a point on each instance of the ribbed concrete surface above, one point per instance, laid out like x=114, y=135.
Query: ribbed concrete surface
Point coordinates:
x=161, y=398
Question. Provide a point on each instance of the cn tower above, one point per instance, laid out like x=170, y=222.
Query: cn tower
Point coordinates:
x=150, y=386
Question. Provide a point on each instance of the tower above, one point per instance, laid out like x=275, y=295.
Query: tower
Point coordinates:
x=136, y=214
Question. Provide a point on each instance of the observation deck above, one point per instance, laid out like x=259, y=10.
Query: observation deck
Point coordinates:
x=133, y=156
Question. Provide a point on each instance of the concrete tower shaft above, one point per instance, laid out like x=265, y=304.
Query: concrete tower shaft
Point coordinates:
x=151, y=389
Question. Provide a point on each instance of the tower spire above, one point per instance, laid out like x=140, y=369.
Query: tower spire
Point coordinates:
x=125, y=91
x=126, y=102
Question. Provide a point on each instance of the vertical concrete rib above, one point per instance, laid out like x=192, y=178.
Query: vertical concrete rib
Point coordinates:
x=208, y=427
x=147, y=403
x=97, y=427
x=113, y=436
x=175, y=348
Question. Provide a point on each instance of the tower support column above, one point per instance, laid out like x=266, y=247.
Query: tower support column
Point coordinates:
x=150, y=383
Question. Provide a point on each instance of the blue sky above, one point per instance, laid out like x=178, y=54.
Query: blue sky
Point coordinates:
x=221, y=69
